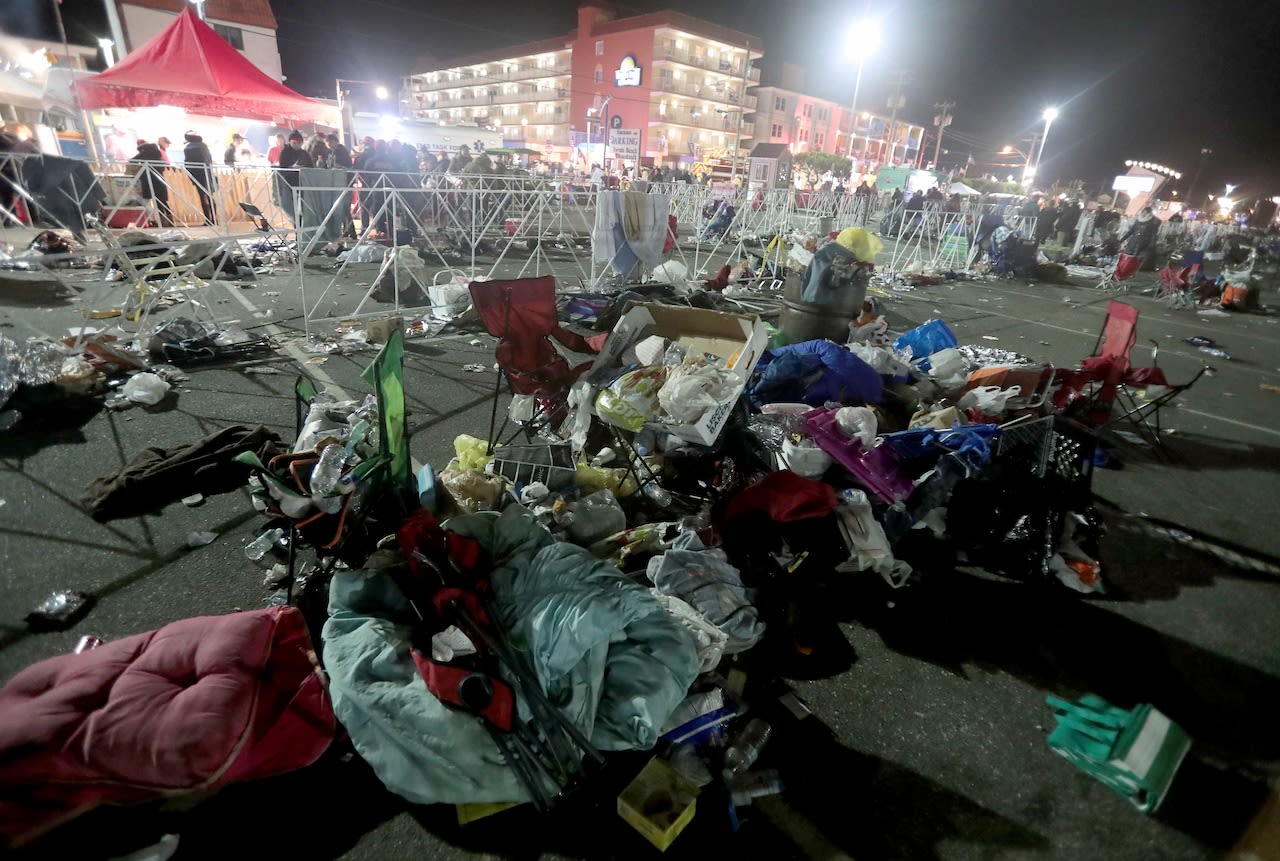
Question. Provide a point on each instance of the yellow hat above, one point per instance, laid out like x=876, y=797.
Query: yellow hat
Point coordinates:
x=860, y=243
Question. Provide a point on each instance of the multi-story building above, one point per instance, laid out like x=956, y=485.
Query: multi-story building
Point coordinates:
x=668, y=87
x=248, y=25
x=786, y=114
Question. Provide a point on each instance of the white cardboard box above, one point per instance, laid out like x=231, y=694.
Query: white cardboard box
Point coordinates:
x=738, y=338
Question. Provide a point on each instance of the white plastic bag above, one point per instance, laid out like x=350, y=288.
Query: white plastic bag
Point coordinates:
x=145, y=388
x=450, y=298
x=988, y=400
x=859, y=423
x=805, y=459
x=693, y=388
x=947, y=368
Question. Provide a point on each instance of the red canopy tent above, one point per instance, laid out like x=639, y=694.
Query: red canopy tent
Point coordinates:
x=189, y=65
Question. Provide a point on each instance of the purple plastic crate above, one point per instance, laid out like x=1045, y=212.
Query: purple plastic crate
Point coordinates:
x=877, y=468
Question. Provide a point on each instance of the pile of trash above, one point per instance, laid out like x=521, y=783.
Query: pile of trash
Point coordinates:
x=123, y=369
x=496, y=628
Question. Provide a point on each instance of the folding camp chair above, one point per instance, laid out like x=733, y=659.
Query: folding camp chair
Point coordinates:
x=1176, y=288
x=1127, y=266
x=1108, y=377
x=273, y=242
x=521, y=313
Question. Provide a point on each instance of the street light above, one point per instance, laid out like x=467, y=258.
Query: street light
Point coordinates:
x=108, y=56
x=379, y=90
x=863, y=39
x=1027, y=171
x=1049, y=115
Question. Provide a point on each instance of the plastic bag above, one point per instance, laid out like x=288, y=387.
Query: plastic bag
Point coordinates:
x=470, y=452
x=693, y=388
x=596, y=517
x=988, y=400
x=363, y=252
x=858, y=423
x=923, y=341
x=711, y=586
x=145, y=388
x=948, y=367
x=709, y=640
x=632, y=399
x=471, y=489
x=805, y=459
x=451, y=298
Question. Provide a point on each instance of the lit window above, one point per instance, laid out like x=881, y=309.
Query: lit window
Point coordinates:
x=600, y=48
x=804, y=135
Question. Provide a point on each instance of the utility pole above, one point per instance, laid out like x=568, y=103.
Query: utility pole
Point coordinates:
x=942, y=120
x=1205, y=152
x=896, y=101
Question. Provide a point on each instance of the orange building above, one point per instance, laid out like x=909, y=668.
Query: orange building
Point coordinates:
x=669, y=87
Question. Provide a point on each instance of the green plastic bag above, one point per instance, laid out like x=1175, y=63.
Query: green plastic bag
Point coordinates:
x=1135, y=752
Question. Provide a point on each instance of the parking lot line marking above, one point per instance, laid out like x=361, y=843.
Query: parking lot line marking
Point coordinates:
x=292, y=350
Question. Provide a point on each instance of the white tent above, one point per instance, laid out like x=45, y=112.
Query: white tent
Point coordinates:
x=19, y=92
x=960, y=188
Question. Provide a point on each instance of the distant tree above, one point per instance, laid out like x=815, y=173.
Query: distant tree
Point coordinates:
x=993, y=186
x=817, y=163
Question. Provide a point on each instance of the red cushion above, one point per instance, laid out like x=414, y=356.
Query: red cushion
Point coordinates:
x=194, y=705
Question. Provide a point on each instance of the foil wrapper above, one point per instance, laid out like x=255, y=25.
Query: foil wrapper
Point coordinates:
x=976, y=356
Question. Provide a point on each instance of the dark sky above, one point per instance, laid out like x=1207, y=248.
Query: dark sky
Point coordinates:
x=1151, y=80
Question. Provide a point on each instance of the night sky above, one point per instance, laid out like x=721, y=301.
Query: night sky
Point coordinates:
x=1150, y=81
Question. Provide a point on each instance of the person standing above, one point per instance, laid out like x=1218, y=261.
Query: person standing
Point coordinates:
x=229, y=155
x=293, y=157
x=164, y=144
x=1068, y=218
x=1140, y=239
x=197, y=157
x=273, y=153
x=148, y=162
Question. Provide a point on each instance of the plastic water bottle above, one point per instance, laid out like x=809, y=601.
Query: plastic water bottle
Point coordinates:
x=260, y=546
x=326, y=473
x=745, y=749
x=656, y=493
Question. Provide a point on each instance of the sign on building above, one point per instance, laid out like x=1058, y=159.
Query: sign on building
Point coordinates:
x=625, y=143
x=628, y=73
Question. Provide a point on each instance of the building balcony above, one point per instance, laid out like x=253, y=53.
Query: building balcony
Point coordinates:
x=720, y=66
x=422, y=101
x=732, y=99
x=710, y=120
x=421, y=84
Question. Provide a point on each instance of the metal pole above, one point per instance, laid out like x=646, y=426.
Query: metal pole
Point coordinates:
x=1043, y=141
x=853, y=115
x=737, y=135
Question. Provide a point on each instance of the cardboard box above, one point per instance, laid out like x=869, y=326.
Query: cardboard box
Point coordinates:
x=659, y=803
x=738, y=338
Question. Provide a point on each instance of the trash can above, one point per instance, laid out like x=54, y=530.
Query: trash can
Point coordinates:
x=809, y=321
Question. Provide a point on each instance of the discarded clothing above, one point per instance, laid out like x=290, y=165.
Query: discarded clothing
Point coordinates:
x=64, y=191
x=711, y=586
x=784, y=496
x=971, y=443
x=600, y=644
x=630, y=228
x=842, y=376
x=835, y=275
x=158, y=476
x=193, y=706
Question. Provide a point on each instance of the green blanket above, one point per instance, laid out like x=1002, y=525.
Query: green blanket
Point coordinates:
x=602, y=646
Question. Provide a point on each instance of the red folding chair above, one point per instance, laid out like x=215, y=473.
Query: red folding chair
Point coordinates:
x=1091, y=391
x=521, y=313
x=1127, y=266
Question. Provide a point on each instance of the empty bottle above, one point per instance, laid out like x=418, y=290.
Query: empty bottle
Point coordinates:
x=326, y=473
x=656, y=493
x=260, y=546
x=745, y=749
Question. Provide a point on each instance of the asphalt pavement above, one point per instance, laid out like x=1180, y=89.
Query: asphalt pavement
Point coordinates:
x=927, y=738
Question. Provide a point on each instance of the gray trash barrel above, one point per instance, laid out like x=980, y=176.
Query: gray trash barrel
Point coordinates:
x=809, y=321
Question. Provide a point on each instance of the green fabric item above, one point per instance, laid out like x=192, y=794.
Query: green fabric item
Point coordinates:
x=386, y=376
x=1134, y=752
x=601, y=645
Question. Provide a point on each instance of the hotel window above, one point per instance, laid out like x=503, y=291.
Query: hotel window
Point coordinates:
x=779, y=103
x=807, y=110
x=599, y=75
x=600, y=47
x=804, y=135
x=819, y=139
x=775, y=131
x=233, y=35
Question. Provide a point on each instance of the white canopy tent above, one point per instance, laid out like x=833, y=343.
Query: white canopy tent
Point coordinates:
x=960, y=188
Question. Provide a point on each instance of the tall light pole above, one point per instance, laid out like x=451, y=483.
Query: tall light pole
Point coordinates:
x=379, y=91
x=863, y=39
x=1049, y=115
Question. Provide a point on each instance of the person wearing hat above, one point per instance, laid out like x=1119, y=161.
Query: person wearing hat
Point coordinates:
x=1140, y=239
x=197, y=159
x=229, y=156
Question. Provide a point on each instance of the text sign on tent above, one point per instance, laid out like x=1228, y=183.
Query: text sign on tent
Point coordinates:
x=625, y=143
